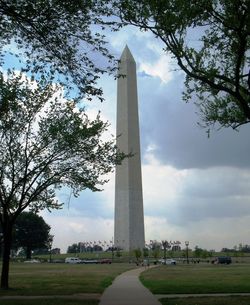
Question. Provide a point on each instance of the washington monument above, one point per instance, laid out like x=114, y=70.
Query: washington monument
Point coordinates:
x=129, y=217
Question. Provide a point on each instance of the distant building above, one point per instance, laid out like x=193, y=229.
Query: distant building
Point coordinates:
x=176, y=248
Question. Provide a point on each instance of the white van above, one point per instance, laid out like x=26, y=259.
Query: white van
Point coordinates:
x=72, y=260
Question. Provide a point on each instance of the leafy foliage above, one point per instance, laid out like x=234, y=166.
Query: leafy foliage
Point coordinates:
x=31, y=232
x=145, y=252
x=62, y=39
x=210, y=41
x=166, y=245
x=203, y=253
x=155, y=247
x=46, y=142
x=74, y=248
x=138, y=254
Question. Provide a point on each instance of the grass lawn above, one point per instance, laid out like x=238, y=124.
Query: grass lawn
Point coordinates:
x=242, y=300
x=198, y=278
x=61, y=279
x=49, y=302
x=69, y=279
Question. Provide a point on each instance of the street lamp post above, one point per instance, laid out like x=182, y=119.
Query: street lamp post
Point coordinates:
x=187, y=243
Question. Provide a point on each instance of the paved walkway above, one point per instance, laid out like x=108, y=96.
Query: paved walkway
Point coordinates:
x=128, y=290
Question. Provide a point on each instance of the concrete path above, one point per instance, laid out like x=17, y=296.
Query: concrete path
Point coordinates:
x=128, y=290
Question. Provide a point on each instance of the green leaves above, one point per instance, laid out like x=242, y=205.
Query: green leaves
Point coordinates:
x=31, y=232
x=59, y=38
x=47, y=142
x=210, y=41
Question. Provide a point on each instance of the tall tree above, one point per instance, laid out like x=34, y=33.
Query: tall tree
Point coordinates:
x=74, y=248
x=46, y=142
x=31, y=232
x=210, y=41
x=60, y=38
x=166, y=245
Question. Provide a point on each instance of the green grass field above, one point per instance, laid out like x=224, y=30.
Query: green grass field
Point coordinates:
x=199, y=278
x=49, y=302
x=67, y=279
x=61, y=279
x=242, y=300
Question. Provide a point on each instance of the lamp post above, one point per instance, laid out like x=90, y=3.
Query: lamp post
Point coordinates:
x=187, y=243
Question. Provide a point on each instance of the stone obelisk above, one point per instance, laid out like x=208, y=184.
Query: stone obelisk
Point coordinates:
x=129, y=216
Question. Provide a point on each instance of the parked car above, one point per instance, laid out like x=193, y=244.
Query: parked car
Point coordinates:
x=72, y=260
x=223, y=260
x=168, y=261
x=105, y=261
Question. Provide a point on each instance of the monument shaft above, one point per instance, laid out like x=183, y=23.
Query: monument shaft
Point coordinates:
x=129, y=216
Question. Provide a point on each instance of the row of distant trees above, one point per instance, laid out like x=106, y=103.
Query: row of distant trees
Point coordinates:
x=155, y=249
x=81, y=247
x=236, y=249
x=108, y=246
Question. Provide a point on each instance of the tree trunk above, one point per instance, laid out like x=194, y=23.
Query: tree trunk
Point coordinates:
x=28, y=253
x=7, y=239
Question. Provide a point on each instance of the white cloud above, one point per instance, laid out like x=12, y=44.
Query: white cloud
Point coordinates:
x=161, y=183
x=194, y=205
x=209, y=233
x=119, y=40
x=158, y=228
x=160, y=68
x=215, y=234
x=68, y=230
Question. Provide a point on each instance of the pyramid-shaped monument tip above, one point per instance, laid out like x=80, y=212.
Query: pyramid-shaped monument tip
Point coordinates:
x=126, y=54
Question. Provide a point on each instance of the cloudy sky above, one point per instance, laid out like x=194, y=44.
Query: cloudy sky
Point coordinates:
x=195, y=188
